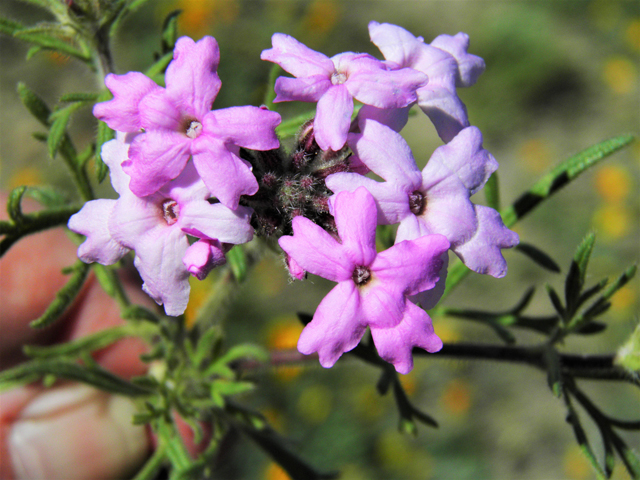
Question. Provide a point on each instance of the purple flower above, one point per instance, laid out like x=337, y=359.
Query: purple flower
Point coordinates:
x=178, y=124
x=335, y=82
x=436, y=200
x=372, y=287
x=156, y=227
x=447, y=64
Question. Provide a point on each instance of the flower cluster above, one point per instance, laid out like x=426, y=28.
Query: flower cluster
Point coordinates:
x=194, y=181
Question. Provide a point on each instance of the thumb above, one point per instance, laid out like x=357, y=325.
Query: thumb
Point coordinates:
x=76, y=432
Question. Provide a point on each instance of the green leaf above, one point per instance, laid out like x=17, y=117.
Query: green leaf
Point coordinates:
x=90, y=343
x=170, y=31
x=46, y=195
x=80, y=97
x=36, y=106
x=492, y=191
x=628, y=355
x=33, y=51
x=39, y=37
x=577, y=273
x=70, y=370
x=103, y=136
x=59, y=121
x=581, y=437
x=554, y=376
x=555, y=301
x=270, y=94
x=561, y=175
x=291, y=127
x=9, y=27
x=238, y=262
x=65, y=296
x=229, y=388
x=159, y=66
x=14, y=207
x=538, y=256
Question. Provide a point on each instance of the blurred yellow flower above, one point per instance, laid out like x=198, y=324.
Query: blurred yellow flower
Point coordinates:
x=315, y=403
x=25, y=176
x=612, y=221
x=275, y=472
x=575, y=465
x=620, y=75
x=321, y=17
x=612, y=183
x=536, y=155
x=632, y=34
x=456, y=398
x=283, y=335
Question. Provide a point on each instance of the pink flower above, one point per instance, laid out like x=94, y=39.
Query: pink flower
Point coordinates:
x=156, y=227
x=436, y=200
x=447, y=64
x=178, y=123
x=335, y=82
x=372, y=287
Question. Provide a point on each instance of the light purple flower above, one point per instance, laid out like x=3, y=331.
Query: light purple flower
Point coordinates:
x=436, y=200
x=372, y=287
x=335, y=82
x=155, y=227
x=178, y=123
x=448, y=66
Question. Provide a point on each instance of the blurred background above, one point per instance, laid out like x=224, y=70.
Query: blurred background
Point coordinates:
x=561, y=76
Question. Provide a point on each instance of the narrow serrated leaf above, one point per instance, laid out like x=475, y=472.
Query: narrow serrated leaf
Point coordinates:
x=90, y=343
x=59, y=121
x=36, y=106
x=51, y=43
x=237, y=260
x=65, y=296
x=554, y=375
x=46, y=195
x=170, y=31
x=555, y=301
x=14, y=205
x=492, y=191
x=159, y=66
x=79, y=97
x=103, y=136
x=9, y=27
x=538, y=256
x=33, y=51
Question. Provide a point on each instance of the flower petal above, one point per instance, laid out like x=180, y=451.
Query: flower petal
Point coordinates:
x=225, y=174
x=482, y=253
x=396, y=44
x=356, y=216
x=394, y=118
x=122, y=113
x=333, y=118
x=91, y=221
x=165, y=277
x=317, y=252
x=191, y=78
x=470, y=66
x=201, y=219
x=155, y=158
x=132, y=218
x=296, y=58
x=305, y=89
x=248, y=127
x=113, y=154
x=445, y=110
x=203, y=256
x=336, y=326
x=429, y=298
x=394, y=344
x=159, y=112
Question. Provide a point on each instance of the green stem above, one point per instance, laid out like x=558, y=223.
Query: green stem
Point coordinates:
x=151, y=468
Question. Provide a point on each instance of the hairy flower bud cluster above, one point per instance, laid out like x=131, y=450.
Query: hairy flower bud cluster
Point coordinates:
x=194, y=181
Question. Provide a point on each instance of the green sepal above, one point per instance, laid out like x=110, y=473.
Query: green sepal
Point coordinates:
x=65, y=296
x=538, y=256
x=36, y=106
x=492, y=191
x=237, y=260
x=69, y=370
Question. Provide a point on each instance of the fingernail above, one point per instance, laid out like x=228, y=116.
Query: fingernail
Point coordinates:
x=76, y=432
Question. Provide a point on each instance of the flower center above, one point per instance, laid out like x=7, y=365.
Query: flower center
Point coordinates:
x=170, y=211
x=193, y=129
x=338, y=78
x=417, y=202
x=361, y=275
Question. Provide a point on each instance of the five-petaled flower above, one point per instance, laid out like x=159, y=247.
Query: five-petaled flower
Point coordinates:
x=373, y=288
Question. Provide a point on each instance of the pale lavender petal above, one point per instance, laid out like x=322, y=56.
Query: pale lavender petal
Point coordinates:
x=158, y=111
x=113, y=154
x=392, y=201
x=186, y=187
x=382, y=304
x=191, y=78
x=305, y=89
x=386, y=153
x=337, y=325
x=316, y=251
x=394, y=344
x=202, y=219
x=295, y=270
x=202, y=257
x=482, y=253
x=356, y=220
x=248, y=127
x=296, y=58
x=411, y=266
x=91, y=221
x=384, y=88
x=155, y=158
x=396, y=44
x=122, y=113
x=445, y=110
x=132, y=218
x=470, y=66
x=429, y=298
x=333, y=118
x=225, y=174
x=159, y=261
x=412, y=227
x=394, y=118
x=448, y=210
x=465, y=156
